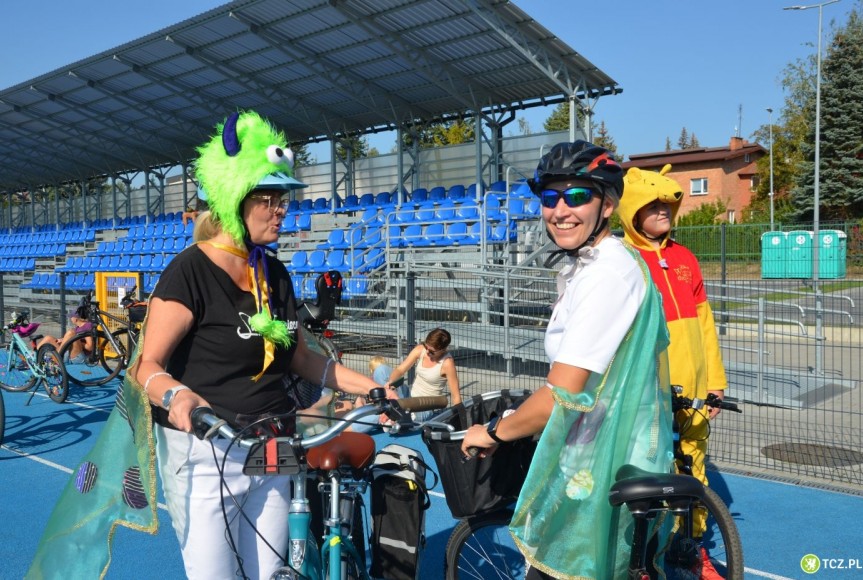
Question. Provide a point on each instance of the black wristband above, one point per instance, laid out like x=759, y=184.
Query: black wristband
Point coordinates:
x=491, y=429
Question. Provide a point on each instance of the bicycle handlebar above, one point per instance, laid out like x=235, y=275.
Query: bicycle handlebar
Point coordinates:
x=206, y=424
x=679, y=402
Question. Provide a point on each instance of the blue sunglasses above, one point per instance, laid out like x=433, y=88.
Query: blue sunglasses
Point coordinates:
x=572, y=197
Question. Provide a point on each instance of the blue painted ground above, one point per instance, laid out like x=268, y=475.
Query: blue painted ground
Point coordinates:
x=779, y=523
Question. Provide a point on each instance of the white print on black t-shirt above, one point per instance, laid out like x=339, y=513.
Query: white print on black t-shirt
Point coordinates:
x=248, y=333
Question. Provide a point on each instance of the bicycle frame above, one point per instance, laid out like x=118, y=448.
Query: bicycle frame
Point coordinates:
x=18, y=346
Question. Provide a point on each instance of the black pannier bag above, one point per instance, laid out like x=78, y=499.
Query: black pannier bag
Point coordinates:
x=478, y=486
x=399, y=499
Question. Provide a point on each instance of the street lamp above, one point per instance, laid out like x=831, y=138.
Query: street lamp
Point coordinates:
x=770, y=121
x=816, y=199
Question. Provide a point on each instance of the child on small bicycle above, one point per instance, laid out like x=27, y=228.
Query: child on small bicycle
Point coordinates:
x=81, y=349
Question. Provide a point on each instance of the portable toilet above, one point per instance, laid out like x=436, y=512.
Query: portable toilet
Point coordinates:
x=799, y=254
x=832, y=254
x=773, y=258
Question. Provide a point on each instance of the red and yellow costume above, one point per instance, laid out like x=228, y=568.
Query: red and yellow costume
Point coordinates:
x=694, y=358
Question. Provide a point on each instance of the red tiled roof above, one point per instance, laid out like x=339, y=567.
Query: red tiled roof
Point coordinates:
x=679, y=157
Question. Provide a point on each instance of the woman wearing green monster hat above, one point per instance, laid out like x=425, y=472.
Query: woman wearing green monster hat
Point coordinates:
x=222, y=332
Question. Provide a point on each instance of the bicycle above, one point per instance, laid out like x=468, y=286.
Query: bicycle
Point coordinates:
x=480, y=546
x=110, y=349
x=25, y=368
x=649, y=495
x=343, y=458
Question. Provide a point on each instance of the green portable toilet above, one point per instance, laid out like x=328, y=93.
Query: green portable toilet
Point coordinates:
x=832, y=252
x=798, y=254
x=773, y=254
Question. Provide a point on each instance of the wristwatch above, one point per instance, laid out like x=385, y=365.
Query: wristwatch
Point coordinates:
x=491, y=429
x=170, y=394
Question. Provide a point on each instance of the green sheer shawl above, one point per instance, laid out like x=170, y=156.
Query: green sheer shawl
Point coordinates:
x=114, y=485
x=563, y=523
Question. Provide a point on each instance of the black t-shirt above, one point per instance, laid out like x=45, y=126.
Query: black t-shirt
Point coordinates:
x=221, y=353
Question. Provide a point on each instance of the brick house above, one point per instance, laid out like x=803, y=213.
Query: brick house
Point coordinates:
x=709, y=174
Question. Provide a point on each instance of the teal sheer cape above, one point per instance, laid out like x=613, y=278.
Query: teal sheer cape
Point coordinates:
x=563, y=523
x=114, y=485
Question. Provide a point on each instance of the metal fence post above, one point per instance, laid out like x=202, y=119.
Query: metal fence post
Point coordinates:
x=410, y=314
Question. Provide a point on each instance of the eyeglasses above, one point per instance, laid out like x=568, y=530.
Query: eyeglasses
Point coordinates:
x=274, y=202
x=431, y=352
x=572, y=197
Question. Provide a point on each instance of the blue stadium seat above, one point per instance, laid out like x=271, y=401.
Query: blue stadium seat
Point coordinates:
x=355, y=287
x=306, y=206
x=298, y=261
x=297, y=283
x=456, y=193
x=351, y=203
x=321, y=205
x=317, y=260
x=289, y=224
x=456, y=233
x=445, y=212
x=335, y=239
x=336, y=260
x=498, y=186
x=434, y=235
x=533, y=208
x=304, y=222
x=437, y=194
x=425, y=215
x=419, y=195
x=467, y=212
x=367, y=199
x=412, y=234
x=309, y=292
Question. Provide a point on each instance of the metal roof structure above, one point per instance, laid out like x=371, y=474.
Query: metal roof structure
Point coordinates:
x=315, y=68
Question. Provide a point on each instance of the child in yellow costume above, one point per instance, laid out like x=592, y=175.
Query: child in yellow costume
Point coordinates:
x=648, y=209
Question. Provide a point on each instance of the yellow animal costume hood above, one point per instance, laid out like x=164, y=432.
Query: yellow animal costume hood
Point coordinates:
x=640, y=188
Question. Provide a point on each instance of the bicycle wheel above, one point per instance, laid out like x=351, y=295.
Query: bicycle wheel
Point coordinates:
x=483, y=548
x=15, y=374
x=86, y=369
x=2, y=418
x=56, y=382
x=114, y=360
x=721, y=540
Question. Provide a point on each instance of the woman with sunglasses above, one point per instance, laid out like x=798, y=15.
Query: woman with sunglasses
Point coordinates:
x=606, y=398
x=435, y=370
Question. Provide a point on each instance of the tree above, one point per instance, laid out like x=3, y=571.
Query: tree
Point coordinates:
x=841, y=152
x=683, y=140
x=693, y=142
x=704, y=215
x=558, y=120
x=358, y=145
x=668, y=143
x=302, y=155
x=442, y=133
x=604, y=139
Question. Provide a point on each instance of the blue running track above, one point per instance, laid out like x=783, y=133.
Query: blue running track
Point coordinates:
x=779, y=523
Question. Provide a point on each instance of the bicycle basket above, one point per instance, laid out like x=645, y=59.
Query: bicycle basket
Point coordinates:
x=478, y=486
x=137, y=312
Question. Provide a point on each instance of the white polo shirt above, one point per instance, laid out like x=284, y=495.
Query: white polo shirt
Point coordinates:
x=599, y=296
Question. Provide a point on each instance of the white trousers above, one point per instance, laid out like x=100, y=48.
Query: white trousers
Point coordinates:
x=257, y=513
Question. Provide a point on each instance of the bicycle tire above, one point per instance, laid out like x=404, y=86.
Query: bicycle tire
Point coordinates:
x=2, y=418
x=15, y=375
x=109, y=358
x=56, y=382
x=90, y=372
x=721, y=539
x=482, y=547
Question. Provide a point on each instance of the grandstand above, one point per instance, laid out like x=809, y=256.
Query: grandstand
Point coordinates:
x=424, y=237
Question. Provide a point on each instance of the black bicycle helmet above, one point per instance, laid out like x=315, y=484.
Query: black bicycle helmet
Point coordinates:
x=579, y=160
x=585, y=161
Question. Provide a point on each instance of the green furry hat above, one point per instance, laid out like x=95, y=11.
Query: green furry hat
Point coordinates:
x=246, y=154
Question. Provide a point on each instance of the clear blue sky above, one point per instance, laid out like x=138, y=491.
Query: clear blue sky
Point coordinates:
x=681, y=63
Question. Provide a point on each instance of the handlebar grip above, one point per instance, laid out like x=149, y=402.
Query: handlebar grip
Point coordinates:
x=205, y=423
x=415, y=404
